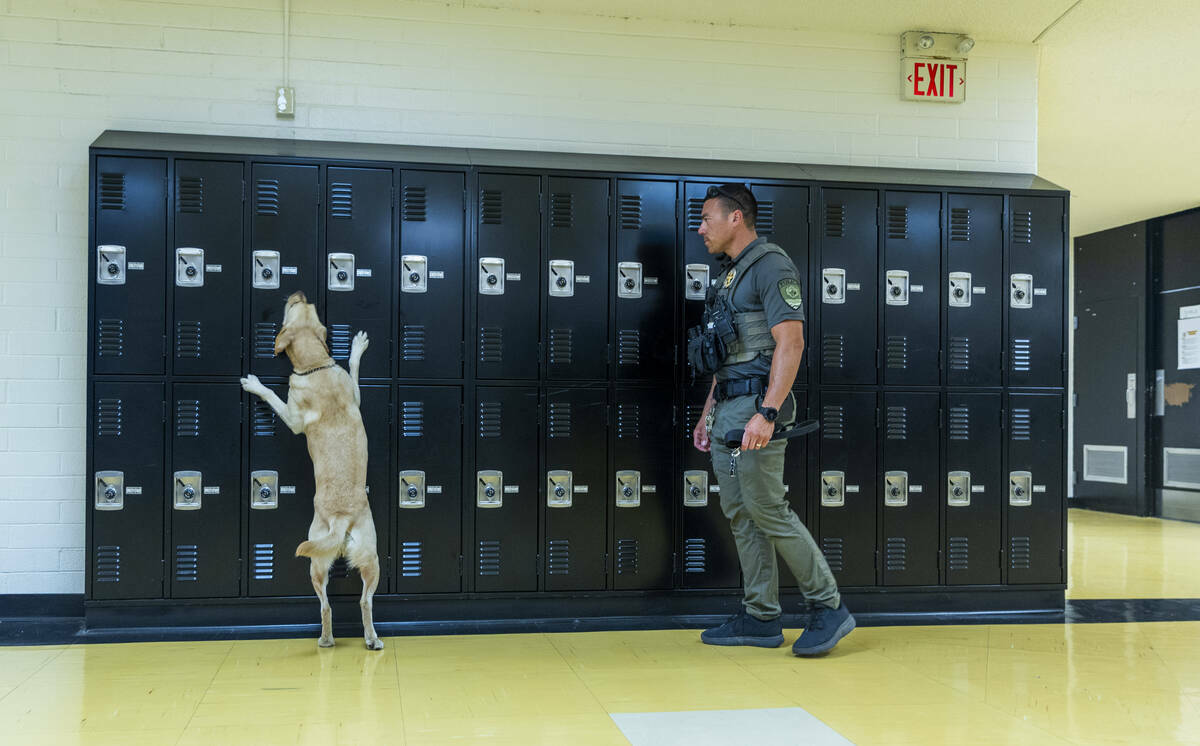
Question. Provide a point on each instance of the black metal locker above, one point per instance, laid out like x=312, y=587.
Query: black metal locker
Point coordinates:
x=642, y=488
x=126, y=495
x=975, y=290
x=208, y=268
x=283, y=254
x=432, y=256
x=505, y=488
x=698, y=269
x=1035, y=302
x=129, y=277
x=973, y=489
x=428, y=516
x=644, y=289
x=795, y=481
x=849, y=278
x=280, y=491
x=508, y=276
x=1035, y=500
x=910, y=278
x=783, y=220
x=358, y=265
x=709, y=554
x=576, y=508
x=204, y=496
x=577, y=279
x=910, y=487
x=846, y=487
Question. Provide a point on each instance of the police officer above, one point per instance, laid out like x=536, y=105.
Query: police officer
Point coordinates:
x=759, y=292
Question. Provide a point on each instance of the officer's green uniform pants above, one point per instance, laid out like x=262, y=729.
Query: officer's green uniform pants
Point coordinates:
x=763, y=522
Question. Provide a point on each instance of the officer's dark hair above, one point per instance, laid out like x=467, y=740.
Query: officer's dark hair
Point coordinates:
x=736, y=197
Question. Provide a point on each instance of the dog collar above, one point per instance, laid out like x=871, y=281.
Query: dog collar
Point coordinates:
x=330, y=364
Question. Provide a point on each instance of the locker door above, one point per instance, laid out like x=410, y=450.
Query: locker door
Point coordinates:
x=909, y=280
x=128, y=276
x=428, y=533
x=1035, y=302
x=203, y=501
x=644, y=292
x=973, y=489
x=283, y=255
x=910, y=490
x=208, y=268
x=795, y=480
x=574, y=494
x=975, y=289
x=505, y=489
x=432, y=255
x=375, y=409
x=508, y=276
x=697, y=270
x=126, y=496
x=783, y=220
x=280, y=490
x=845, y=482
x=577, y=279
x=358, y=265
x=1035, y=499
x=849, y=264
x=642, y=488
x=710, y=558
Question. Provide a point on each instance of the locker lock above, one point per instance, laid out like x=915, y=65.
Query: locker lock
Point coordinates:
x=958, y=488
x=187, y=490
x=835, y=285
x=189, y=267
x=491, y=275
x=110, y=490
x=412, y=489
x=264, y=490
x=562, y=278
x=696, y=281
x=264, y=270
x=629, y=280
x=695, y=488
x=960, y=289
x=341, y=272
x=415, y=273
x=629, y=488
x=895, y=489
x=559, y=489
x=110, y=265
x=833, y=489
x=489, y=492
x=1021, y=291
x=897, y=287
x=1020, y=488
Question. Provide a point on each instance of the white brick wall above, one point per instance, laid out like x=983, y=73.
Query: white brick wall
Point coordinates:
x=428, y=73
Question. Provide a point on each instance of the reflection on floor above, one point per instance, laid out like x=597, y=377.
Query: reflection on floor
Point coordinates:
x=1117, y=556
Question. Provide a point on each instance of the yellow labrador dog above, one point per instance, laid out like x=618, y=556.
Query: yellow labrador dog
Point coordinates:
x=323, y=403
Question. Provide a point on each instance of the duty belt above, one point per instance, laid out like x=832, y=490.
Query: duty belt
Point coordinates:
x=739, y=387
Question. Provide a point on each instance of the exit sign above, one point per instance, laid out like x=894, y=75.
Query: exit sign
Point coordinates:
x=927, y=79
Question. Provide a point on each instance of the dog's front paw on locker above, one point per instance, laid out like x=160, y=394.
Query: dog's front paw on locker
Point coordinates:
x=359, y=344
x=375, y=644
x=252, y=384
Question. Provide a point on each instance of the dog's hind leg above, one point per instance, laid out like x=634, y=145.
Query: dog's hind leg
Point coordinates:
x=318, y=570
x=369, y=571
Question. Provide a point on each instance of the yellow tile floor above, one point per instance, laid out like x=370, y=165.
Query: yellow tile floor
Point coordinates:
x=1135, y=683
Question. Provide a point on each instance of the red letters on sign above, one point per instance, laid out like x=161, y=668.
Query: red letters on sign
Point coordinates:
x=933, y=79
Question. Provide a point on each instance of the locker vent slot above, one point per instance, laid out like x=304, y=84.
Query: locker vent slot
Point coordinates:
x=110, y=338
x=264, y=339
x=835, y=221
x=897, y=221
x=833, y=351
x=263, y=567
x=764, y=224
x=1020, y=555
x=895, y=554
x=897, y=352
x=266, y=197
x=629, y=421
x=1022, y=226
x=490, y=425
x=491, y=344
x=489, y=557
x=413, y=203
x=108, y=418
x=695, y=555
x=1022, y=421
x=627, y=556
x=960, y=423
x=340, y=569
x=491, y=206
x=558, y=557
x=960, y=224
x=412, y=419
x=834, y=551
x=1021, y=355
x=629, y=347
x=190, y=195
x=833, y=422
x=262, y=422
x=112, y=191
x=339, y=341
x=187, y=563
x=562, y=210
x=959, y=552
x=341, y=200
x=410, y=559
x=897, y=423
x=187, y=339
x=1106, y=464
x=691, y=418
x=695, y=208
x=1181, y=468
x=187, y=418
x=108, y=564
x=412, y=342
x=561, y=347
x=631, y=212
x=560, y=420
x=960, y=353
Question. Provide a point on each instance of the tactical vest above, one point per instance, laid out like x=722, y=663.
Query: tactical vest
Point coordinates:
x=753, y=334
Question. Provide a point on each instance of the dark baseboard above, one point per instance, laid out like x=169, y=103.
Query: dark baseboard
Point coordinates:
x=41, y=605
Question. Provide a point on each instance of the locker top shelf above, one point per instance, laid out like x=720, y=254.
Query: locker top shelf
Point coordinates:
x=621, y=164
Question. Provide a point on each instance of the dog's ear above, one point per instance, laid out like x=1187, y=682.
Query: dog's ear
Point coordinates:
x=283, y=339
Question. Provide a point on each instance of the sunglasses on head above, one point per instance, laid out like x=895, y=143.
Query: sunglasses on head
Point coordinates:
x=716, y=191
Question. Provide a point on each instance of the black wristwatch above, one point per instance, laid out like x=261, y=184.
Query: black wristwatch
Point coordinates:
x=768, y=413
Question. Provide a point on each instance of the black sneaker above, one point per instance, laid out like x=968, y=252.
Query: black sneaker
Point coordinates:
x=743, y=629
x=824, y=628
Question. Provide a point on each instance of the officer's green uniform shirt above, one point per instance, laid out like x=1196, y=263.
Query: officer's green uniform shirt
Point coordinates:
x=771, y=285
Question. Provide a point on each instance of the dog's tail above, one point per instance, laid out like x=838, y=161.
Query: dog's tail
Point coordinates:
x=329, y=542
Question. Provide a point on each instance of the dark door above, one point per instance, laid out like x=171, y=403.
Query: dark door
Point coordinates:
x=508, y=276
x=973, y=489
x=1036, y=303
x=1035, y=497
x=577, y=279
x=910, y=278
x=709, y=554
x=975, y=290
x=642, y=488
x=909, y=486
x=849, y=280
x=644, y=290
x=846, y=515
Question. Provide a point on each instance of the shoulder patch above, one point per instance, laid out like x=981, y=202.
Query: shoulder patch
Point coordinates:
x=789, y=290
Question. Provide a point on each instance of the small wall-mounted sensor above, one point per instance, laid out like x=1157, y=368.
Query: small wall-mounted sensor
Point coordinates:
x=285, y=101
